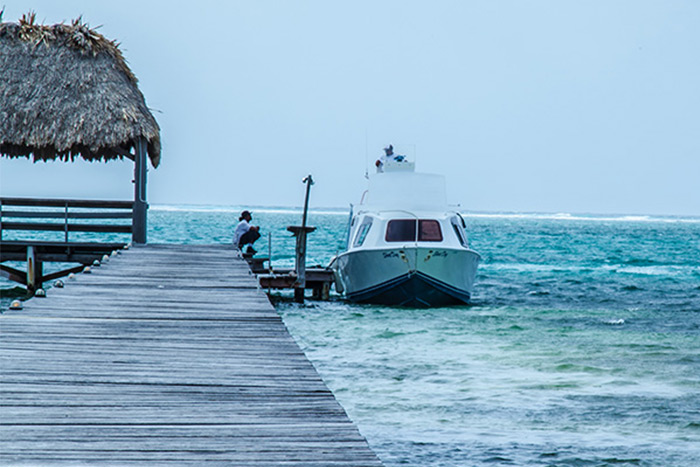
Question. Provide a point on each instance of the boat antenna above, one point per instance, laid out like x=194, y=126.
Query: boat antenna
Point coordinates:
x=366, y=156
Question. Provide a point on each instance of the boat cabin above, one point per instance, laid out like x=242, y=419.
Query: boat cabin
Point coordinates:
x=405, y=207
x=396, y=228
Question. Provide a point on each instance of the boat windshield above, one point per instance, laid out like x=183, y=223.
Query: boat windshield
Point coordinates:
x=406, y=230
x=401, y=230
x=429, y=231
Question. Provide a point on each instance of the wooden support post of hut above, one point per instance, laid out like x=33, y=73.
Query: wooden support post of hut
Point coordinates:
x=139, y=222
x=66, y=92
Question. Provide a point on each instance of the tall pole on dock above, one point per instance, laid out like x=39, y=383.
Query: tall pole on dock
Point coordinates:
x=309, y=181
x=300, y=268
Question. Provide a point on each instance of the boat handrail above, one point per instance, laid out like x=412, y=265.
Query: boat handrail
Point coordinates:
x=459, y=214
x=347, y=239
x=362, y=199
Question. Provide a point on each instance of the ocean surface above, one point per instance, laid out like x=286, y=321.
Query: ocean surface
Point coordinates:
x=581, y=346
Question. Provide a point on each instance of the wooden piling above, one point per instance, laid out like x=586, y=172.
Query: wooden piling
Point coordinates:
x=300, y=233
x=322, y=278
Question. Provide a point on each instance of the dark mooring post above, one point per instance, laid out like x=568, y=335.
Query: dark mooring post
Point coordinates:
x=140, y=206
x=300, y=233
x=34, y=271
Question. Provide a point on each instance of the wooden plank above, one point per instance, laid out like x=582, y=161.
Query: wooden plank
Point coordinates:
x=49, y=244
x=63, y=215
x=166, y=355
x=84, y=258
x=58, y=274
x=13, y=274
x=72, y=203
x=56, y=227
x=78, y=252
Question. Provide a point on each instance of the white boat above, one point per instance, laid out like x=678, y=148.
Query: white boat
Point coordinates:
x=405, y=246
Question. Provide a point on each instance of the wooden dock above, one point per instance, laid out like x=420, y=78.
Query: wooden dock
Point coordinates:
x=318, y=279
x=165, y=355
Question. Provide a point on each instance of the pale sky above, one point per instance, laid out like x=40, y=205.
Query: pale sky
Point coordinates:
x=546, y=106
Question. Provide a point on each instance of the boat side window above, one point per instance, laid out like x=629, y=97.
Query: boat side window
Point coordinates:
x=362, y=231
x=401, y=230
x=429, y=231
x=459, y=233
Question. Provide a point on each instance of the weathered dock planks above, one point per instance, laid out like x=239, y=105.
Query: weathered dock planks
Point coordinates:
x=165, y=355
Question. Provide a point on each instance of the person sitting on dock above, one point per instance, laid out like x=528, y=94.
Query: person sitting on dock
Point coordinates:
x=246, y=234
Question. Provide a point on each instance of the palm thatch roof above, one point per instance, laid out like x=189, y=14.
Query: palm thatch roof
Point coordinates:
x=66, y=91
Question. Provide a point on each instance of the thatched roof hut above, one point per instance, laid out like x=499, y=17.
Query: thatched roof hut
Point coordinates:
x=66, y=91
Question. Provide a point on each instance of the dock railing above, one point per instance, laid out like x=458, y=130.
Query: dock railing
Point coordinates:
x=59, y=230
x=64, y=213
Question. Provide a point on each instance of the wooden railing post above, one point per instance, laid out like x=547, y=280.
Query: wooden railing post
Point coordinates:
x=140, y=205
x=65, y=221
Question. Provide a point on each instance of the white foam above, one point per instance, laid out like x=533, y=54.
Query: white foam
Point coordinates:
x=332, y=211
x=532, y=267
x=615, y=322
x=657, y=270
x=238, y=209
x=564, y=216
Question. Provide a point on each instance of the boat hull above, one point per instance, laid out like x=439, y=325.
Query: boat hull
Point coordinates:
x=408, y=276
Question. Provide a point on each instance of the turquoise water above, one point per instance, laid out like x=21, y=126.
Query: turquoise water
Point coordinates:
x=581, y=347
